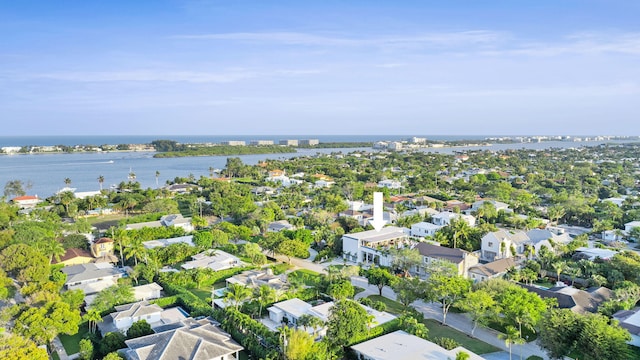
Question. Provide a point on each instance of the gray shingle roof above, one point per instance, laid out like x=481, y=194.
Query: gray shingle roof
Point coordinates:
x=202, y=340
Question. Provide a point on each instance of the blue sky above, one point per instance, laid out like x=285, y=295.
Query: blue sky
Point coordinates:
x=320, y=67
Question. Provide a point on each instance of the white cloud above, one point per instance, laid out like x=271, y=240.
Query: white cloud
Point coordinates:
x=169, y=76
x=297, y=38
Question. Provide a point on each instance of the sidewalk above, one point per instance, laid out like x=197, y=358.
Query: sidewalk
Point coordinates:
x=457, y=321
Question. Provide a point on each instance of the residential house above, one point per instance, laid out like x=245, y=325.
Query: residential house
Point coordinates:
x=256, y=278
x=353, y=214
x=463, y=260
x=293, y=309
x=151, y=244
x=630, y=320
x=492, y=270
x=630, y=225
x=579, y=301
x=91, y=278
x=74, y=256
x=424, y=229
x=452, y=205
x=102, y=247
x=402, y=345
x=501, y=244
x=594, y=253
x=26, y=201
x=147, y=291
x=507, y=243
x=193, y=340
x=125, y=315
x=444, y=218
x=280, y=225
x=176, y=220
x=497, y=204
x=322, y=183
x=182, y=188
x=215, y=260
x=372, y=246
x=612, y=235
x=390, y=184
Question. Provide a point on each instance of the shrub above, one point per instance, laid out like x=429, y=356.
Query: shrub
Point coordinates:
x=447, y=343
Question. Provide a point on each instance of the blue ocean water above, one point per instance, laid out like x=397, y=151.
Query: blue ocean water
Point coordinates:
x=45, y=173
x=145, y=139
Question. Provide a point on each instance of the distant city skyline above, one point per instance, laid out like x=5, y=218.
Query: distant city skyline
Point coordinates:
x=320, y=67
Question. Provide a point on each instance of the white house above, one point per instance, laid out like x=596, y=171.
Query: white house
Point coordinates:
x=390, y=184
x=279, y=225
x=26, y=201
x=166, y=242
x=293, y=309
x=370, y=246
x=402, y=345
x=630, y=225
x=612, y=235
x=215, y=260
x=444, y=218
x=91, y=278
x=498, y=244
x=125, y=315
x=497, y=204
x=423, y=229
x=507, y=243
x=176, y=220
x=147, y=291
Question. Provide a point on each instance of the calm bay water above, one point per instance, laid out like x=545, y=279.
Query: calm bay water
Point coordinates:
x=46, y=172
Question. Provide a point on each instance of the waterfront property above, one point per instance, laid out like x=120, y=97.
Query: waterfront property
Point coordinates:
x=372, y=246
x=492, y=270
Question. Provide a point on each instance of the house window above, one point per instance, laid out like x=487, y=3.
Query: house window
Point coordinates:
x=490, y=244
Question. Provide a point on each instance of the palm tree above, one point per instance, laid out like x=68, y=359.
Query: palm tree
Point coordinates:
x=92, y=317
x=67, y=181
x=211, y=169
x=157, y=176
x=511, y=337
x=265, y=295
x=122, y=239
x=237, y=293
x=136, y=250
x=53, y=248
x=559, y=267
x=460, y=229
x=100, y=181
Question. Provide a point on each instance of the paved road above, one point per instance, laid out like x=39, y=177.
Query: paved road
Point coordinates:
x=457, y=321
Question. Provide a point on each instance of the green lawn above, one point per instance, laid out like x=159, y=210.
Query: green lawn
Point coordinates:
x=358, y=290
x=280, y=268
x=71, y=343
x=55, y=356
x=203, y=294
x=393, y=307
x=308, y=277
x=437, y=330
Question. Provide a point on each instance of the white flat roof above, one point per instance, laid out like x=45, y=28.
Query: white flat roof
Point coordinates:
x=295, y=307
x=402, y=345
x=387, y=233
